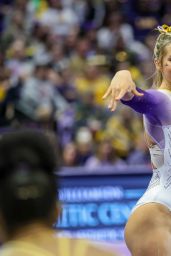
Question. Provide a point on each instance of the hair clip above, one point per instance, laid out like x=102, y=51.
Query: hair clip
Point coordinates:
x=164, y=29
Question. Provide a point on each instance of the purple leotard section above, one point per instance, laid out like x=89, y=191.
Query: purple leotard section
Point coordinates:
x=156, y=109
x=154, y=104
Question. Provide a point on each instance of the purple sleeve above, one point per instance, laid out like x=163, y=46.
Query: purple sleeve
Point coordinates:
x=154, y=104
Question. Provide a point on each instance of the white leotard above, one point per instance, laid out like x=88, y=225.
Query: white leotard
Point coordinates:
x=159, y=188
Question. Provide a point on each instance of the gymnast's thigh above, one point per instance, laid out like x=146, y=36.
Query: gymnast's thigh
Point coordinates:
x=148, y=230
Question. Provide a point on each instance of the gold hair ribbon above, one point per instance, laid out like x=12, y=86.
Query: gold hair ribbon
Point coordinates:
x=164, y=29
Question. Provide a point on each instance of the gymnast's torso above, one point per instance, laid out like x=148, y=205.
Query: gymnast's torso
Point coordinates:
x=152, y=212
x=159, y=143
x=155, y=106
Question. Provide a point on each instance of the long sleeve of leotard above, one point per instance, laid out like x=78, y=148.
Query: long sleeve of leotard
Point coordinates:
x=154, y=104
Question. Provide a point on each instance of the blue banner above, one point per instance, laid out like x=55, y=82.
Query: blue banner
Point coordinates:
x=97, y=206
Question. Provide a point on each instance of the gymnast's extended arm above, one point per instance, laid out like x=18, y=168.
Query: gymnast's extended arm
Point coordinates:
x=154, y=104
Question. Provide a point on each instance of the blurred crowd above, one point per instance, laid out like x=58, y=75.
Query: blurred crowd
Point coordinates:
x=57, y=58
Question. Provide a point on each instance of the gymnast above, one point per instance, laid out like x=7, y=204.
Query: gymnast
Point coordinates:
x=148, y=229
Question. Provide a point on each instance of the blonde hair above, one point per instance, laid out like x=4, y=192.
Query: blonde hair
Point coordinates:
x=162, y=41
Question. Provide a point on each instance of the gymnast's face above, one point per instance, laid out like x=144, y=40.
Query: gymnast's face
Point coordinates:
x=166, y=65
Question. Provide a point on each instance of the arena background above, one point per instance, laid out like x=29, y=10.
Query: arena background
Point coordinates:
x=57, y=58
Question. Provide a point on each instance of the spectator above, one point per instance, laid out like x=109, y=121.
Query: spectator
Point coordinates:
x=140, y=153
x=38, y=96
x=105, y=157
x=93, y=80
x=84, y=142
x=18, y=61
x=59, y=18
x=94, y=14
x=80, y=55
x=70, y=155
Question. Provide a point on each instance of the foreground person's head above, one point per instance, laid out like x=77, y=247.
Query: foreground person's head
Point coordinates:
x=28, y=186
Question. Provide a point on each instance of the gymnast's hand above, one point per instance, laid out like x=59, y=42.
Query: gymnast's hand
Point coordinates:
x=122, y=87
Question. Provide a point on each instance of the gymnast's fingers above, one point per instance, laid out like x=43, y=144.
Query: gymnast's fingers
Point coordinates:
x=113, y=100
x=120, y=95
x=107, y=93
x=135, y=92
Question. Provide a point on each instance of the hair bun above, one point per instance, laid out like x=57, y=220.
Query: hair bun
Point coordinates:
x=164, y=29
